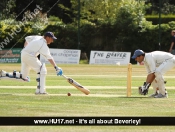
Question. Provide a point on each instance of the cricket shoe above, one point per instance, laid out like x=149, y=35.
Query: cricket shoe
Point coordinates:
x=37, y=93
x=2, y=73
x=153, y=95
x=161, y=96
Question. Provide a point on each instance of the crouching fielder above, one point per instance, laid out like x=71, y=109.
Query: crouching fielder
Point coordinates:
x=157, y=63
x=34, y=45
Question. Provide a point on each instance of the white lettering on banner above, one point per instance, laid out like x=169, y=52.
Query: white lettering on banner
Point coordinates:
x=11, y=60
x=64, y=56
x=106, y=57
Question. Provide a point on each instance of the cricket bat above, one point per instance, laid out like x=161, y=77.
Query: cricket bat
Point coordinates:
x=77, y=85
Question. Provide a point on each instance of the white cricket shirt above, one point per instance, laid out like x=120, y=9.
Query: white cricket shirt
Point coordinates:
x=37, y=45
x=155, y=59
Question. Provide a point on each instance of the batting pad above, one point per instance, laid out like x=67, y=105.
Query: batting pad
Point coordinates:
x=16, y=79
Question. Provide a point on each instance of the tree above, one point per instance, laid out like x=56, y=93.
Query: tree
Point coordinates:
x=167, y=6
x=51, y=7
x=7, y=9
x=129, y=22
x=103, y=11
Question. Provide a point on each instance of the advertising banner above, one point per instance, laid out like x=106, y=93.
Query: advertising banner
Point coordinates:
x=64, y=56
x=10, y=55
x=109, y=57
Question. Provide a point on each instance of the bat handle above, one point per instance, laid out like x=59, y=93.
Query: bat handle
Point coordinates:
x=64, y=76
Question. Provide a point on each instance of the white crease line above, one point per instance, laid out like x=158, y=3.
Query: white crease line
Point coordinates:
x=68, y=87
x=109, y=76
x=72, y=95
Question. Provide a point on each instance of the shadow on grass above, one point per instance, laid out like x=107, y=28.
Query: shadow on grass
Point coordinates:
x=5, y=94
x=135, y=97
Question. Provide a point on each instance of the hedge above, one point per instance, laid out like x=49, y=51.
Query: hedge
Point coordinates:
x=105, y=37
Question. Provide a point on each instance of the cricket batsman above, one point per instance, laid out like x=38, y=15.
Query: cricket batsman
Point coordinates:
x=33, y=46
x=157, y=63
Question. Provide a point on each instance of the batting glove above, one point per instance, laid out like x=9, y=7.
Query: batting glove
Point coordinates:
x=140, y=90
x=59, y=71
x=143, y=90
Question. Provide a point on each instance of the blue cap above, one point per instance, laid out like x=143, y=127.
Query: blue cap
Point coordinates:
x=50, y=34
x=137, y=53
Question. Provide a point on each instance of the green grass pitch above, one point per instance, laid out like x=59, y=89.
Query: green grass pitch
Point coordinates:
x=107, y=84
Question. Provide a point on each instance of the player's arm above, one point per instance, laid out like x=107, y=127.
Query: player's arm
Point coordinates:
x=46, y=53
x=27, y=40
x=25, y=44
x=144, y=89
x=52, y=62
x=172, y=44
x=150, y=67
x=150, y=78
x=59, y=71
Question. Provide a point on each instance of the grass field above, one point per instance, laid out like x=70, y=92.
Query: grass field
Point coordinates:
x=107, y=84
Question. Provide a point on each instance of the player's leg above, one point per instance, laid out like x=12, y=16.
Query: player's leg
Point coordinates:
x=162, y=69
x=25, y=69
x=155, y=88
x=16, y=76
x=41, y=80
x=161, y=85
x=32, y=62
x=41, y=71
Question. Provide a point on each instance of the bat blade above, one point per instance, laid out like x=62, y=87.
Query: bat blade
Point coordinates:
x=77, y=85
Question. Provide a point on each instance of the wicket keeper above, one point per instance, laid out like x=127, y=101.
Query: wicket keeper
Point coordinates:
x=157, y=63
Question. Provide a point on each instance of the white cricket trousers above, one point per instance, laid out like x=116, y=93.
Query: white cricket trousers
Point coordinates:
x=161, y=70
x=29, y=62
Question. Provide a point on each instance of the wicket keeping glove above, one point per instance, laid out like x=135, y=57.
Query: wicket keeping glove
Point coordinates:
x=143, y=90
x=59, y=71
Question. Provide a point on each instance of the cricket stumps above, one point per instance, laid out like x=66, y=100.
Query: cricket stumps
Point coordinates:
x=129, y=79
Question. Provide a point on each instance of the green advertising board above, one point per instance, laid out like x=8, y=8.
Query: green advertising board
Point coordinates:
x=10, y=55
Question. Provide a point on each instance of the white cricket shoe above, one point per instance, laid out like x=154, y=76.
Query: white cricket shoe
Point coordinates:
x=45, y=93
x=38, y=92
x=3, y=73
x=161, y=96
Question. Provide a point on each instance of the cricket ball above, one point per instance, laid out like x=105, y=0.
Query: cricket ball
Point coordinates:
x=68, y=94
